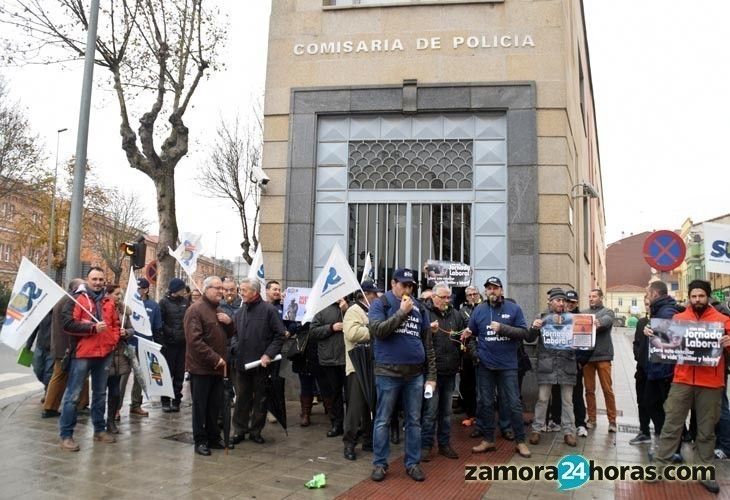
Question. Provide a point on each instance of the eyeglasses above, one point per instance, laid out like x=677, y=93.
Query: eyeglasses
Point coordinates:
x=216, y=287
x=443, y=297
x=475, y=294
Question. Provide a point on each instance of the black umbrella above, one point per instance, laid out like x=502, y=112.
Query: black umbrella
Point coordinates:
x=275, y=397
x=362, y=360
x=229, y=394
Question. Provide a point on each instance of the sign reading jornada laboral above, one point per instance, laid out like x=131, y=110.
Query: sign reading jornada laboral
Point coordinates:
x=448, y=272
x=685, y=342
x=568, y=331
x=457, y=42
x=717, y=248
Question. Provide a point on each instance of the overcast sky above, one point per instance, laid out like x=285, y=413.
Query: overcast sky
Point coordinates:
x=660, y=78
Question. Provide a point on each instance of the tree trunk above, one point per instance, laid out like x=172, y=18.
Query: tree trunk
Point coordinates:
x=165, y=185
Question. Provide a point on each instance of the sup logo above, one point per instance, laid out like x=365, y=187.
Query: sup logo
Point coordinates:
x=332, y=279
x=573, y=472
x=22, y=302
x=720, y=249
x=260, y=272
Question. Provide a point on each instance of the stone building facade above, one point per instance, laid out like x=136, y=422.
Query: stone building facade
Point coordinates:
x=454, y=130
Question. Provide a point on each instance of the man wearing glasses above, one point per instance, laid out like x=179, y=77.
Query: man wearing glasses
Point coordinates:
x=448, y=329
x=403, y=349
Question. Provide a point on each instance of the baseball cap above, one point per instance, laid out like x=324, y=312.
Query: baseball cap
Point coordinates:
x=493, y=280
x=571, y=296
x=404, y=275
x=143, y=283
x=369, y=286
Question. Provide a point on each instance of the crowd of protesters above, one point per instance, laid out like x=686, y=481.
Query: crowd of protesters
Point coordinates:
x=425, y=351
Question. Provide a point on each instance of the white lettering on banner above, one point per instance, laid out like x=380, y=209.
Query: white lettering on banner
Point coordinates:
x=505, y=41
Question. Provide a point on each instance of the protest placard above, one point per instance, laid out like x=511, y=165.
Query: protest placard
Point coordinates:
x=295, y=303
x=685, y=342
x=568, y=331
x=448, y=272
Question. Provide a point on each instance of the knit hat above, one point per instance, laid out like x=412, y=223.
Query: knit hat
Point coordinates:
x=556, y=293
x=176, y=284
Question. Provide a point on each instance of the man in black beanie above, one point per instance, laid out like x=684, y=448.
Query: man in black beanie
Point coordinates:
x=172, y=309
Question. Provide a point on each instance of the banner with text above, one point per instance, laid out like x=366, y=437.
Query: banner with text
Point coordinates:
x=717, y=248
x=685, y=342
x=569, y=331
x=295, y=303
x=448, y=272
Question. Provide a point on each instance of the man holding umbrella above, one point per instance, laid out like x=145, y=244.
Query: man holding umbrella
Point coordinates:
x=260, y=332
x=360, y=382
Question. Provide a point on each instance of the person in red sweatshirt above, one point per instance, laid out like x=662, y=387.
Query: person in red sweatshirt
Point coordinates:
x=698, y=386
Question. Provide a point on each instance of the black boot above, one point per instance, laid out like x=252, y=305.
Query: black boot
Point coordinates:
x=350, y=451
x=112, y=404
x=335, y=431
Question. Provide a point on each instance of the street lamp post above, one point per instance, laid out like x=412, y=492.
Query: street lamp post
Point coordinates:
x=52, y=222
x=215, y=254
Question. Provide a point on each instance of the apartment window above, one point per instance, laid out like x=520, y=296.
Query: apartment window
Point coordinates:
x=8, y=211
x=6, y=252
x=634, y=303
x=620, y=302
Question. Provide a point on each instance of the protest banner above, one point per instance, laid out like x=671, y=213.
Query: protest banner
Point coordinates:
x=685, y=342
x=568, y=331
x=336, y=280
x=448, y=272
x=295, y=303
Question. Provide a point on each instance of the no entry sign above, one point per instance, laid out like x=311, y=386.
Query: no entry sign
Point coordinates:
x=664, y=250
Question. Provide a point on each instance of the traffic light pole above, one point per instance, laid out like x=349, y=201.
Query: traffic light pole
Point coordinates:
x=73, y=252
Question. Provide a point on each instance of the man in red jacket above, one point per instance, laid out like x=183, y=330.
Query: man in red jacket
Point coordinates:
x=698, y=386
x=92, y=343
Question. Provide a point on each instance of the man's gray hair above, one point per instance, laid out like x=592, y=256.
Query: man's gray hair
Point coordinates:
x=471, y=287
x=252, y=283
x=441, y=286
x=207, y=282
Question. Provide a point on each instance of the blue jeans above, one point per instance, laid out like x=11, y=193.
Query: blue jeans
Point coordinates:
x=43, y=365
x=388, y=390
x=506, y=382
x=438, y=410
x=79, y=370
x=722, y=429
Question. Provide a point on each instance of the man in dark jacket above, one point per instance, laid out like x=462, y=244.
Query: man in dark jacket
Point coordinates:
x=230, y=303
x=326, y=329
x=206, y=331
x=260, y=333
x=404, y=360
x=600, y=362
x=657, y=377
x=172, y=309
x=499, y=327
x=555, y=366
x=447, y=331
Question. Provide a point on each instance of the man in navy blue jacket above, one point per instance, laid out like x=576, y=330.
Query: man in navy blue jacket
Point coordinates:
x=404, y=360
x=499, y=327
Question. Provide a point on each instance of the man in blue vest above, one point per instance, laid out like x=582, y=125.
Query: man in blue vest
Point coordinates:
x=499, y=327
x=404, y=360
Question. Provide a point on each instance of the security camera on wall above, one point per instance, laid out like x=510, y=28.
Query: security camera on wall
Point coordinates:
x=259, y=176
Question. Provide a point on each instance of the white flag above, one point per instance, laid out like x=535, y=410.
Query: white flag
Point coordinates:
x=257, y=267
x=187, y=252
x=154, y=369
x=367, y=270
x=33, y=295
x=336, y=280
x=139, y=318
x=717, y=248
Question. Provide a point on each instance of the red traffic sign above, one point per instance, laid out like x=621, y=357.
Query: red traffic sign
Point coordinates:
x=664, y=250
x=150, y=272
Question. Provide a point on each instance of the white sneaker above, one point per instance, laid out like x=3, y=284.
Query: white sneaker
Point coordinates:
x=582, y=431
x=720, y=455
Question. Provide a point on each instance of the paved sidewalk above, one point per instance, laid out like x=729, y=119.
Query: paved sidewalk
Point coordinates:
x=147, y=463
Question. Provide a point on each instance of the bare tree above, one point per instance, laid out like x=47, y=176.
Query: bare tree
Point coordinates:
x=157, y=52
x=121, y=220
x=20, y=153
x=228, y=175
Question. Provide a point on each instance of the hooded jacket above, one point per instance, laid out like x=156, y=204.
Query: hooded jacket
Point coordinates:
x=79, y=324
x=712, y=377
x=172, y=310
x=663, y=308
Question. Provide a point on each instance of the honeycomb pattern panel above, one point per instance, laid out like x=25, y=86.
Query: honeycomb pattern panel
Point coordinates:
x=410, y=164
